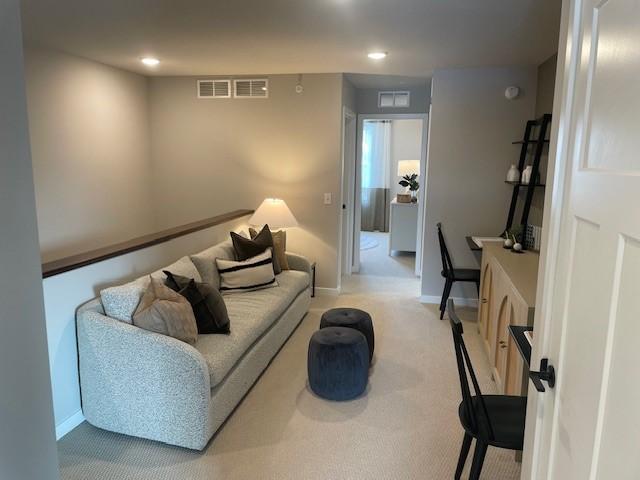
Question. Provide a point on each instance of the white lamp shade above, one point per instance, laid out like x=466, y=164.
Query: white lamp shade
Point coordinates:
x=275, y=213
x=408, y=167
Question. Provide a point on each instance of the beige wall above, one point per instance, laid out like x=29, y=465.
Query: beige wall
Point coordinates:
x=27, y=443
x=89, y=128
x=215, y=155
x=471, y=130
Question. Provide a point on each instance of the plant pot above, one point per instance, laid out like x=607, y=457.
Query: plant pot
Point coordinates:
x=403, y=198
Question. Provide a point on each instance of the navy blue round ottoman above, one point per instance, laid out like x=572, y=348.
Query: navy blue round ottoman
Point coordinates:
x=338, y=363
x=351, y=318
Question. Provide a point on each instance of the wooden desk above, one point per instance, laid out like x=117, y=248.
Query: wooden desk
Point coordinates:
x=507, y=297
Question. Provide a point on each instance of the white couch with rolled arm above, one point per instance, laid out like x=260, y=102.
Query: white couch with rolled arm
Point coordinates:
x=153, y=386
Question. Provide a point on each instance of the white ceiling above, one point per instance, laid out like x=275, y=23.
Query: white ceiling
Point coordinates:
x=297, y=36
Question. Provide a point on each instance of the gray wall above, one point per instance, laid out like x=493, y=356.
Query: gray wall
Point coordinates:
x=472, y=126
x=27, y=442
x=546, y=85
x=349, y=95
x=215, y=155
x=89, y=127
x=367, y=100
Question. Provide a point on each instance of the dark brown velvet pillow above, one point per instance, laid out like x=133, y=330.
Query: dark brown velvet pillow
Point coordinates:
x=246, y=248
x=279, y=246
x=206, y=301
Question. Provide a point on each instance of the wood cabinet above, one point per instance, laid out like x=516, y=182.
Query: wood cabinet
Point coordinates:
x=507, y=297
x=403, y=227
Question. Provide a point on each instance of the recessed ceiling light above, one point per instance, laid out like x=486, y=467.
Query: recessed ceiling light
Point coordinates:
x=150, y=61
x=377, y=55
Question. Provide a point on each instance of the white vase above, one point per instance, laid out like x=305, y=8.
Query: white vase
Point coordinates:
x=513, y=175
x=526, y=174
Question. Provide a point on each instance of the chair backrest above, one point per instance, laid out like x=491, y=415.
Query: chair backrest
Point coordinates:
x=447, y=264
x=464, y=367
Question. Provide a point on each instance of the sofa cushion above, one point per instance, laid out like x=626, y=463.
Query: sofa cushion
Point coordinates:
x=207, y=303
x=121, y=301
x=251, y=314
x=247, y=248
x=242, y=276
x=184, y=267
x=205, y=262
x=164, y=311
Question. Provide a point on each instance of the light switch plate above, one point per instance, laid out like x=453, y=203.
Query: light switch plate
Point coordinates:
x=327, y=198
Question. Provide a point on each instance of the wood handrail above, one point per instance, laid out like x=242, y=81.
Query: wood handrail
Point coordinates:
x=79, y=260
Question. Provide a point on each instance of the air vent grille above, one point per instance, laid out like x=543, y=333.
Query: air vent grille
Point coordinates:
x=251, y=88
x=393, y=99
x=214, y=88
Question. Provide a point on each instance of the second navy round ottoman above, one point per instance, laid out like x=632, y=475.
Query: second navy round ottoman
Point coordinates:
x=351, y=318
x=338, y=363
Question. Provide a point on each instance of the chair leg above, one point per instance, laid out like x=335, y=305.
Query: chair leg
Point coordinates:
x=464, y=452
x=445, y=297
x=478, y=460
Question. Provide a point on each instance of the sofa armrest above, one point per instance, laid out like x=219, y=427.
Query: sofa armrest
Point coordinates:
x=142, y=383
x=298, y=262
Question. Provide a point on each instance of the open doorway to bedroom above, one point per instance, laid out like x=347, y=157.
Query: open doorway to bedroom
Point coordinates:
x=386, y=224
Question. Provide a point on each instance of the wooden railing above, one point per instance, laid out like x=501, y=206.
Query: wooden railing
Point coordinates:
x=79, y=260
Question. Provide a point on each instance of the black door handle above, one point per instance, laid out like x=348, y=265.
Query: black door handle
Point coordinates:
x=547, y=373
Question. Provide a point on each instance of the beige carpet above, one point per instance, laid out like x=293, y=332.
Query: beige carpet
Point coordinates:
x=405, y=427
x=377, y=261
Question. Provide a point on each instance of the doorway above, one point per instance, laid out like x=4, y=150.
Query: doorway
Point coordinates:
x=381, y=236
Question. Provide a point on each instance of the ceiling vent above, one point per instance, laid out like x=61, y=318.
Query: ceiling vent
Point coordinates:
x=393, y=99
x=214, y=88
x=251, y=88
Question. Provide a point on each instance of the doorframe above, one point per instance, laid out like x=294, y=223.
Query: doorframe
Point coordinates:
x=535, y=462
x=357, y=181
x=347, y=196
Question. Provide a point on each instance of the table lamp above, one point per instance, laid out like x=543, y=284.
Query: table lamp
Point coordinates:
x=275, y=213
x=408, y=167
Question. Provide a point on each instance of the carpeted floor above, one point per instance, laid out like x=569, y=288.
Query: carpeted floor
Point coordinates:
x=376, y=261
x=405, y=427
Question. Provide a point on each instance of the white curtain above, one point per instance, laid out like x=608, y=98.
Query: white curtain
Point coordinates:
x=376, y=154
x=376, y=175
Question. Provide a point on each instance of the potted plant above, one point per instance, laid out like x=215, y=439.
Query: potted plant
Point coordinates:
x=411, y=181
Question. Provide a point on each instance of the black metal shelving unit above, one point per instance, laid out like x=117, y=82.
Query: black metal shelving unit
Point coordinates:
x=535, y=136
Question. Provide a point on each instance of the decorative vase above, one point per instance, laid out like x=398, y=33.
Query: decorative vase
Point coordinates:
x=414, y=196
x=526, y=174
x=513, y=175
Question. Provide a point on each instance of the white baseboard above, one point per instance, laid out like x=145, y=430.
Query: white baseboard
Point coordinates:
x=459, y=301
x=327, y=292
x=69, y=424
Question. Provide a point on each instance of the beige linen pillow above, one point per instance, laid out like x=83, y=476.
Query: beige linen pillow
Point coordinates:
x=164, y=311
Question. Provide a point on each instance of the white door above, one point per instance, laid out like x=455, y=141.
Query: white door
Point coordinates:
x=588, y=426
x=348, y=191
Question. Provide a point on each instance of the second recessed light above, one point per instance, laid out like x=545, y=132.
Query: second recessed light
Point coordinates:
x=377, y=55
x=150, y=61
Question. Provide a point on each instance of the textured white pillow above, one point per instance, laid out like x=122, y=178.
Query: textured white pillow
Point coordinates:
x=247, y=275
x=184, y=266
x=121, y=301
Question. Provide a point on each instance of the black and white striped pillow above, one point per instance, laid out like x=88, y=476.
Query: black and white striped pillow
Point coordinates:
x=244, y=276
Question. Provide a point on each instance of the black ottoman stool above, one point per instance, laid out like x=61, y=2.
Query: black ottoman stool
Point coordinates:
x=338, y=363
x=351, y=318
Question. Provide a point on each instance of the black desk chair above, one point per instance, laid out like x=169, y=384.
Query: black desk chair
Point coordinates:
x=452, y=275
x=496, y=420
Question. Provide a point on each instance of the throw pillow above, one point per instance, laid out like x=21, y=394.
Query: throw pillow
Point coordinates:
x=246, y=248
x=164, y=311
x=279, y=246
x=206, y=301
x=121, y=301
x=246, y=275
